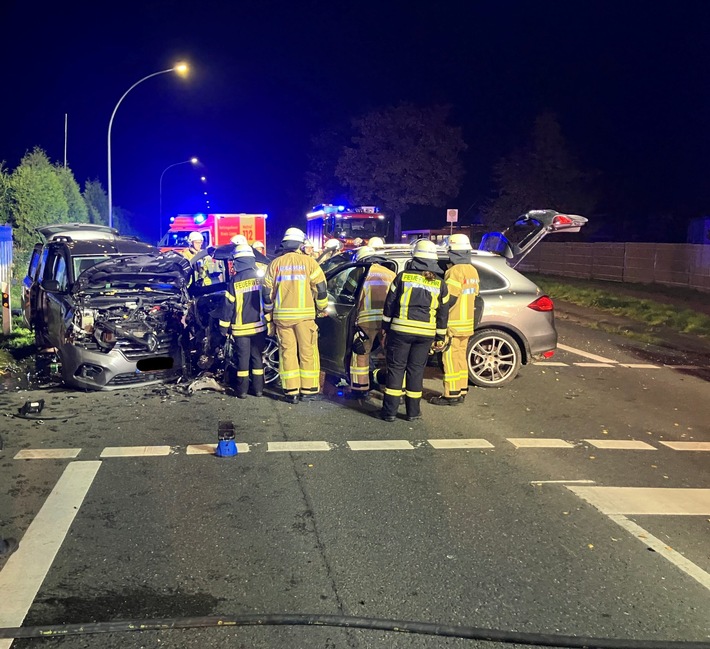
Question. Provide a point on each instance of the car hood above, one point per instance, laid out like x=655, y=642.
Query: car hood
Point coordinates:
x=167, y=271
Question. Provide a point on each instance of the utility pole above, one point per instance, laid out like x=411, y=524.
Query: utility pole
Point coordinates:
x=65, y=139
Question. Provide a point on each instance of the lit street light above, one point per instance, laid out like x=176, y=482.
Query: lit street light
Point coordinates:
x=182, y=70
x=193, y=161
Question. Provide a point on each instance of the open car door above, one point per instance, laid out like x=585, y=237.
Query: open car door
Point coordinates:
x=516, y=241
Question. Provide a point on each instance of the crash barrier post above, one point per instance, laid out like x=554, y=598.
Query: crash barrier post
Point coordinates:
x=226, y=446
x=6, y=276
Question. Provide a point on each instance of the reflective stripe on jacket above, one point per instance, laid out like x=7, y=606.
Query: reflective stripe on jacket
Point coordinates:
x=417, y=305
x=374, y=293
x=294, y=288
x=463, y=284
x=243, y=310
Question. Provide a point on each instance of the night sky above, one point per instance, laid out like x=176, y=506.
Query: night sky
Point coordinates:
x=630, y=84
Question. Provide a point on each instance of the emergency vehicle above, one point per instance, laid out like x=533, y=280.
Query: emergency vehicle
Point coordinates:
x=347, y=224
x=216, y=229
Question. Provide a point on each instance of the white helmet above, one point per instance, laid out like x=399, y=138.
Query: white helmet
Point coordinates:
x=239, y=239
x=333, y=244
x=294, y=234
x=363, y=252
x=242, y=250
x=259, y=245
x=376, y=242
x=307, y=243
x=459, y=242
x=194, y=236
x=358, y=242
x=424, y=249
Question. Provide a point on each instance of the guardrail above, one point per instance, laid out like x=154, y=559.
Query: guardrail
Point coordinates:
x=671, y=264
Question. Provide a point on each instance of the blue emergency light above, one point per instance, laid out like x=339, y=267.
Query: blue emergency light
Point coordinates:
x=199, y=218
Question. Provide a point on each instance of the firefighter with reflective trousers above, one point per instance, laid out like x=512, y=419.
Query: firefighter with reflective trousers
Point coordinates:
x=294, y=292
x=414, y=321
x=368, y=321
x=244, y=322
x=462, y=283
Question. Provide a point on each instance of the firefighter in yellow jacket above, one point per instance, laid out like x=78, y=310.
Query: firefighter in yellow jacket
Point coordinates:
x=368, y=321
x=199, y=260
x=415, y=315
x=463, y=286
x=294, y=292
x=243, y=320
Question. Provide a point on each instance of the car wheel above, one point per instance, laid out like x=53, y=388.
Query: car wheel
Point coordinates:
x=271, y=361
x=493, y=358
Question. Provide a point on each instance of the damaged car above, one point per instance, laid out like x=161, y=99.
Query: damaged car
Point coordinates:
x=111, y=308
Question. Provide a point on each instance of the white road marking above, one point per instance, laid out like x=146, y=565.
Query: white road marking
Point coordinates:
x=24, y=572
x=460, y=443
x=685, y=367
x=621, y=444
x=134, y=451
x=594, y=365
x=563, y=482
x=541, y=442
x=551, y=363
x=381, y=445
x=581, y=352
x=641, y=366
x=649, y=501
x=209, y=449
x=297, y=446
x=47, y=453
x=688, y=446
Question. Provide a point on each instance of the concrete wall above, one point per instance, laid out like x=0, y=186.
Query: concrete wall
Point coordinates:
x=672, y=264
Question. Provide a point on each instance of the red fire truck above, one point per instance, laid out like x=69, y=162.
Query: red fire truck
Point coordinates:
x=216, y=229
x=354, y=226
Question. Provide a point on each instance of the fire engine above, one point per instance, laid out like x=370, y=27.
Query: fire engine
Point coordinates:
x=354, y=226
x=216, y=229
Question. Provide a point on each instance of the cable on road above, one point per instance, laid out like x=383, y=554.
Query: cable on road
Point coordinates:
x=347, y=622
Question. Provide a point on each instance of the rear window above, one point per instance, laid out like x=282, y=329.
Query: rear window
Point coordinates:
x=490, y=280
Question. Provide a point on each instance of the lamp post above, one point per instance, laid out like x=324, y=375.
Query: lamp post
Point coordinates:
x=160, y=210
x=181, y=69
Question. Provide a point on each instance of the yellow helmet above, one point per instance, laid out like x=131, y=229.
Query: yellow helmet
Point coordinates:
x=459, y=242
x=424, y=249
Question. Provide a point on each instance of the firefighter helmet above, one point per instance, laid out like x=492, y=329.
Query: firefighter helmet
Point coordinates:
x=424, y=249
x=333, y=244
x=363, y=252
x=239, y=240
x=194, y=236
x=459, y=242
x=376, y=242
x=294, y=234
x=258, y=245
x=242, y=250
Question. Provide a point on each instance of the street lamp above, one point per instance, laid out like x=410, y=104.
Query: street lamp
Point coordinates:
x=181, y=69
x=193, y=161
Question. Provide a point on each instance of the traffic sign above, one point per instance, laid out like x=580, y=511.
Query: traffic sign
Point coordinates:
x=452, y=216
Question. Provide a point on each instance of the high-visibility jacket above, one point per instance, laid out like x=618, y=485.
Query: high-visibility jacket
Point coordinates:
x=373, y=294
x=294, y=288
x=416, y=305
x=463, y=285
x=202, y=269
x=243, y=310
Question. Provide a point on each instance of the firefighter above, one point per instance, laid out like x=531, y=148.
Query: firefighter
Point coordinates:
x=368, y=321
x=462, y=283
x=415, y=315
x=243, y=320
x=198, y=258
x=262, y=261
x=331, y=248
x=294, y=293
x=376, y=242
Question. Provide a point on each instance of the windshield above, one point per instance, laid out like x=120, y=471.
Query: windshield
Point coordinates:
x=351, y=228
x=179, y=239
x=83, y=263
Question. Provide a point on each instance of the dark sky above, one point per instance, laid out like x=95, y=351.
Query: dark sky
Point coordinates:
x=629, y=82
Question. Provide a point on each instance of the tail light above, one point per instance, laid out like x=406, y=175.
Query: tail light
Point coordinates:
x=561, y=219
x=543, y=303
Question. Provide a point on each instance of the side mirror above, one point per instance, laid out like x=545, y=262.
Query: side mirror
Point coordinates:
x=51, y=285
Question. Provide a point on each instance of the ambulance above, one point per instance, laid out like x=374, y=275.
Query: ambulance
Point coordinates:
x=216, y=229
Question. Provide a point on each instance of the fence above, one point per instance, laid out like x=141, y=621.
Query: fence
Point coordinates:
x=5, y=275
x=672, y=264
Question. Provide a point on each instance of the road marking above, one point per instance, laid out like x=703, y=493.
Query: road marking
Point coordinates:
x=688, y=446
x=25, y=570
x=134, y=451
x=594, y=365
x=525, y=442
x=381, y=445
x=563, y=482
x=551, y=363
x=209, y=449
x=276, y=447
x=581, y=352
x=685, y=367
x=460, y=443
x=641, y=366
x=649, y=501
x=621, y=444
x=47, y=453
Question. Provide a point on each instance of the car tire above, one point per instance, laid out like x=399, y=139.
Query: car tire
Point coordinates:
x=493, y=358
x=271, y=361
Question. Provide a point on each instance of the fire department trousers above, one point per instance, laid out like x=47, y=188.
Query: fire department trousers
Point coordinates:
x=360, y=363
x=456, y=367
x=406, y=356
x=299, y=361
x=248, y=355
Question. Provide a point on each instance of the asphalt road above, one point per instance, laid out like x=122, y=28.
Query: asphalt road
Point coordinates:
x=576, y=500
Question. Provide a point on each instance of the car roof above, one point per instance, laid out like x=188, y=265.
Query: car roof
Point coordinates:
x=112, y=246
x=77, y=231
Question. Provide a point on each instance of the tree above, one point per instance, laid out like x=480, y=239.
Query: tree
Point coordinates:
x=541, y=175
x=77, y=212
x=96, y=202
x=321, y=181
x=403, y=156
x=37, y=197
x=5, y=195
